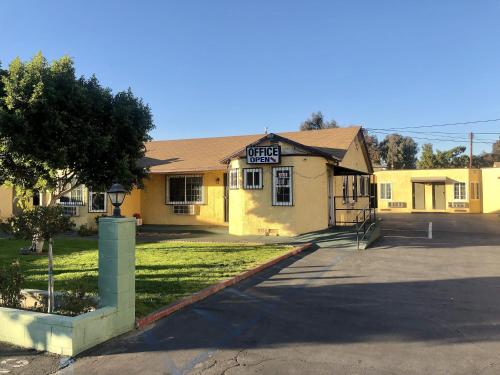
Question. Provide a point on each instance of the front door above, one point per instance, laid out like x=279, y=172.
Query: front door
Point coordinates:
x=331, y=199
x=438, y=196
x=226, y=198
x=418, y=196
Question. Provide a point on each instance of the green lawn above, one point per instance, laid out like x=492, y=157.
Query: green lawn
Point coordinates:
x=165, y=271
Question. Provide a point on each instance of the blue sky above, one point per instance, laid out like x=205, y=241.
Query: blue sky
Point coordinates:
x=210, y=68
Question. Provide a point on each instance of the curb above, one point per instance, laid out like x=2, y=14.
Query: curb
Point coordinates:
x=207, y=292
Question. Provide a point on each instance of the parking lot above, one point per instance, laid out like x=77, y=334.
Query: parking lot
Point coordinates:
x=416, y=303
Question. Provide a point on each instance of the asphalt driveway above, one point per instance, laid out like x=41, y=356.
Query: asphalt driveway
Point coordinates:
x=414, y=304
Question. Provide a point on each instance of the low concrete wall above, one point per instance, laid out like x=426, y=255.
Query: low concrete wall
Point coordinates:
x=60, y=334
x=71, y=335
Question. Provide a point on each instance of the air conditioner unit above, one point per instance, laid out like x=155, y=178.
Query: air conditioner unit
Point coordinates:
x=184, y=209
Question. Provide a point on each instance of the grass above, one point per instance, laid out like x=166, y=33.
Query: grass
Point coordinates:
x=165, y=271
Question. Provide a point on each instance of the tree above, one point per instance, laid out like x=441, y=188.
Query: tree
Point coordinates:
x=398, y=152
x=372, y=145
x=58, y=131
x=317, y=122
x=44, y=223
x=427, y=158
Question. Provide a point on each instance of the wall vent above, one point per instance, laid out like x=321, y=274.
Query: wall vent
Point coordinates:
x=397, y=204
x=458, y=204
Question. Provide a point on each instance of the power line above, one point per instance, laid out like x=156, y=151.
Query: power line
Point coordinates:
x=455, y=140
x=430, y=131
x=446, y=124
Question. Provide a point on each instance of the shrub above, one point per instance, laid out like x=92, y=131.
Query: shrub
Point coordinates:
x=76, y=302
x=11, y=279
x=85, y=231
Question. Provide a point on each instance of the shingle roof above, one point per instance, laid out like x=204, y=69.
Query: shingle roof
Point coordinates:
x=205, y=154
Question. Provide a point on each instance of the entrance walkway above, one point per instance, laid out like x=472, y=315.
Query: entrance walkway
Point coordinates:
x=339, y=238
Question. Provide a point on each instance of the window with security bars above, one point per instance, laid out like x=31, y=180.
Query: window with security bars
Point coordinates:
x=252, y=178
x=355, y=180
x=234, y=182
x=459, y=191
x=74, y=198
x=70, y=211
x=474, y=190
x=184, y=189
x=283, y=186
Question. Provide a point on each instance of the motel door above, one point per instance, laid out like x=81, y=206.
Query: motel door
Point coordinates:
x=418, y=196
x=331, y=201
x=438, y=196
x=226, y=198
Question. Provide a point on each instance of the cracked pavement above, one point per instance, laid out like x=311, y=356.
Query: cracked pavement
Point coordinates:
x=410, y=305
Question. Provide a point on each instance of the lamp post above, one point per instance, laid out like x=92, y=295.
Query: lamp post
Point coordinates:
x=117, y=195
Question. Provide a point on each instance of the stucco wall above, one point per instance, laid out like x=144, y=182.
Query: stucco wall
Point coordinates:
x=402, y=188
x=156, y=211
x=354, y=158
x=252, y=212
x=6, y=197
x=491, y=190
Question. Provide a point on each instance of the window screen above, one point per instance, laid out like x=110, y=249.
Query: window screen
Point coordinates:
x=184, y=189
x=459, y=190
x=385, y=191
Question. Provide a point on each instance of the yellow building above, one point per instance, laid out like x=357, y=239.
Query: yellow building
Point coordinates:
x=282, y=184
x=6, y=202
x=431, y=190
x=491, y=189
x=292, y=190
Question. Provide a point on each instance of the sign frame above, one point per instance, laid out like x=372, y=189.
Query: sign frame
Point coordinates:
x=248, y=160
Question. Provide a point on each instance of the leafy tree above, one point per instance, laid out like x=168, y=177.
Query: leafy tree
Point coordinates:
x=427, y=157
x=43, y=223
x=398, y=152
x=58, y=131
x=372, y=145
x=317, y=122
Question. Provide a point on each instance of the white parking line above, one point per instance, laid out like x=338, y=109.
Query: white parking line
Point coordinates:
x=430, y=230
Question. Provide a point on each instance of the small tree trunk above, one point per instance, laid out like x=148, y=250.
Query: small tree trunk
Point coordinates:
x=50, y=297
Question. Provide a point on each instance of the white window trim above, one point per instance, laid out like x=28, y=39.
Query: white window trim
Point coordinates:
x=380, y=191
x=90, y=198
x=253, y=186
x=465, y=199
x=274, y=190
x=167, y=188
x=231, y=172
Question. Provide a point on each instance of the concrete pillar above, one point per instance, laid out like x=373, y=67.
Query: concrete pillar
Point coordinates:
x=117, y=269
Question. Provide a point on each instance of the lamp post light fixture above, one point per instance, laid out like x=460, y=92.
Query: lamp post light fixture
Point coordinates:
x=117, y=195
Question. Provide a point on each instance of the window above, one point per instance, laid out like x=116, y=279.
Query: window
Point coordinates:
x=185, y=209
x=355, y=180
x=282, y=186
x=234, y=182
x=185, y=189
x=474, y=190
x=386, y=191
x=97, y=201
x=76, y=195
x=252, y=178
x=345, y=193
x=459, y=191
x=364, y=187
x=70, y=210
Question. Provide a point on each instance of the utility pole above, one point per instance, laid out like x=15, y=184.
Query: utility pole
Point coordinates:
x=471, y=136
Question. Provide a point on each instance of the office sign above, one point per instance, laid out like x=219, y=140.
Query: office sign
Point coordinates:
x=263, y=154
